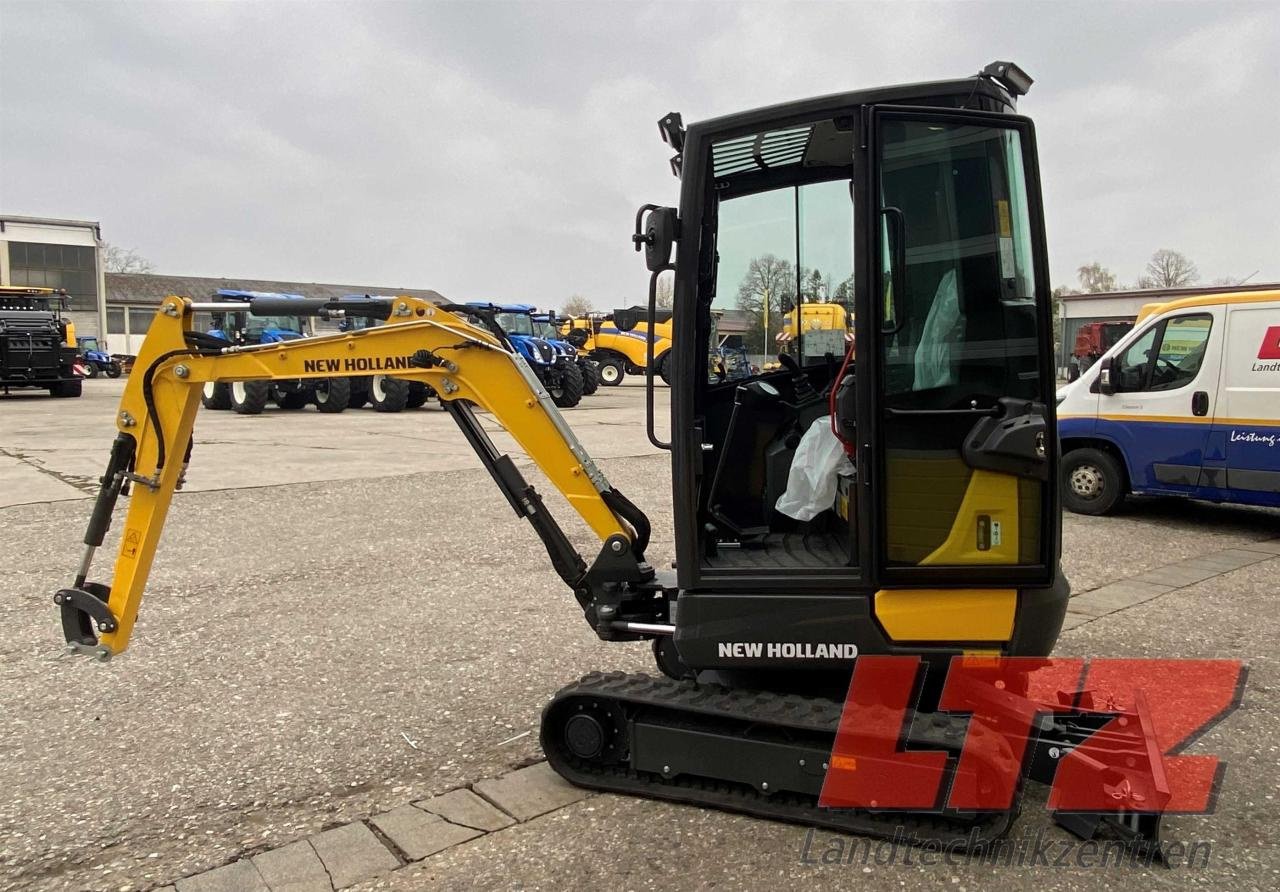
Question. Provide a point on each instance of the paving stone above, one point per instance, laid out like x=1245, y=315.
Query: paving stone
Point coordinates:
x=1116, y=596
x=1224, y=561
x=466, y=808
x=293, y=868
x=419, y=834
x=352, y=853
x=1071, y=620
x=167, y=889
x=1271, y=546
x=239, y=876
x=529, y=792
x=1243, y=556
x=1177, y=575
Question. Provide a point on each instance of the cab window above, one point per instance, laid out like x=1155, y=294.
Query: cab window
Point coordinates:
x=1166, y=356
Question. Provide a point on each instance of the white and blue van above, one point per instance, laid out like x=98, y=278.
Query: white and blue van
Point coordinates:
x=1186, y=404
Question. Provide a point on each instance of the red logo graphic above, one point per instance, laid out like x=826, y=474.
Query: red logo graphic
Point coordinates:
x=1111, y=728
x=1270, y=348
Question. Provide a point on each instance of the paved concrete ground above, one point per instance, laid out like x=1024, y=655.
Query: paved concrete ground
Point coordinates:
x=321, y=653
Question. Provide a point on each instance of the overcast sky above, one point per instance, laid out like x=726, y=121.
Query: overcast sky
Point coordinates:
x=500, y=151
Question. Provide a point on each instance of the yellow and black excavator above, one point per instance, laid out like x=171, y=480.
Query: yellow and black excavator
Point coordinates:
x=937, y=537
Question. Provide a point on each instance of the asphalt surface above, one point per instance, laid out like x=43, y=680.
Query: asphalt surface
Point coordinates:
x=359, y=634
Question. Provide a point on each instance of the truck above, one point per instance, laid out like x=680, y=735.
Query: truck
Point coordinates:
x=617, y=342
x=241, y=327
x=814, y=330
x=37, y=345
x=1185, y=404
x=1092, y=340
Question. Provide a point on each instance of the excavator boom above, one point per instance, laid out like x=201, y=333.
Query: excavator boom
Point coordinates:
x=467, y=365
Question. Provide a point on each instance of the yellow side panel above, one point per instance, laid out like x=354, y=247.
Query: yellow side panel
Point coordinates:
x=985, y=530
x=71, y=333
x=947, y=614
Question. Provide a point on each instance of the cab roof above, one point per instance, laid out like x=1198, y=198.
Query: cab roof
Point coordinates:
x=249, y=295
x=505, y=308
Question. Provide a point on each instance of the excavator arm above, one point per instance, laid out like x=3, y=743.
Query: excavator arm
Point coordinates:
x=468, y=366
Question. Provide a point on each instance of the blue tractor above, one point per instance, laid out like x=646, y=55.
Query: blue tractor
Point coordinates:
x=545, y=327
x=383, y=392
x=97, y=361
x=242, y=328
x=558, y=373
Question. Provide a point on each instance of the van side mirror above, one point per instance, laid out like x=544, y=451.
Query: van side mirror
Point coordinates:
x=1107, y=375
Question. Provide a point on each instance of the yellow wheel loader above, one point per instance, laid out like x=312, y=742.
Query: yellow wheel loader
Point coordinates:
x=938, y=541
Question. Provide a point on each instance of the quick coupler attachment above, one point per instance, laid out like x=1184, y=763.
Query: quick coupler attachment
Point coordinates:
x=82, y=608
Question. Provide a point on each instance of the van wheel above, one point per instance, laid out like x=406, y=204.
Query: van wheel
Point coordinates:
x=1092, y=482
x=611, y=372
x=216, y=396
x=249, y=397
x=388, y=394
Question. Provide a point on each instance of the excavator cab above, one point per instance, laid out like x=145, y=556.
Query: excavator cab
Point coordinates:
x=896, y=495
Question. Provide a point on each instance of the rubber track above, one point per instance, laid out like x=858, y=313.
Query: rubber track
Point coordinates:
x=759, y=707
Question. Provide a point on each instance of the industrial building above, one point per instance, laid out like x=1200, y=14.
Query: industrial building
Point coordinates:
x=64, y=254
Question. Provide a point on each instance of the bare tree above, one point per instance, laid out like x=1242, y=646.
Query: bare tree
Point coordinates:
x=577, y=305
x=1096, y=278
x=124, y=260
x=768, y=278
x=665, y=295
x=1169, y=269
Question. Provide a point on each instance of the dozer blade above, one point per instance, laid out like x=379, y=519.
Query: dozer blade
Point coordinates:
x=756, y=753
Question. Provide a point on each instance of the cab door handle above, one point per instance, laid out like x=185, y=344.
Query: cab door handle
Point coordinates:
x=1200, y=403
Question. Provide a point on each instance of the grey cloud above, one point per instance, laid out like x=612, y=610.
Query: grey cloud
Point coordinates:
x=499, y=150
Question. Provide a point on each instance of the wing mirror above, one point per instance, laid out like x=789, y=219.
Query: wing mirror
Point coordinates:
x=657, y=229
x=1107, y=375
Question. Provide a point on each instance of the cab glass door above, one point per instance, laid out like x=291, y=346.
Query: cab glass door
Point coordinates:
x=964, y=372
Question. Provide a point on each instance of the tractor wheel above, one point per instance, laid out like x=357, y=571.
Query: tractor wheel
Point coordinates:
x=249, y=397
x=568, y=392
x=1092, y=482
x=418, y=395
x=332, y=395
x=291, y=399
x=113, y=369
x=65, y=389
x=93, y=369
x=388, y=394
x=664, y=368
x=611, y=371
x=359, y=392
x=216, y=396
x=590, y=377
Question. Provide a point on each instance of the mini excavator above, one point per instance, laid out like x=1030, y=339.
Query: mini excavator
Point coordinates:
x=921, y=205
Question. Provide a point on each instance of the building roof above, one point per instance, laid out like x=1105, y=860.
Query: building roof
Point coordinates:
x=1155, y=295
x=47, y=221
x=147, y=289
